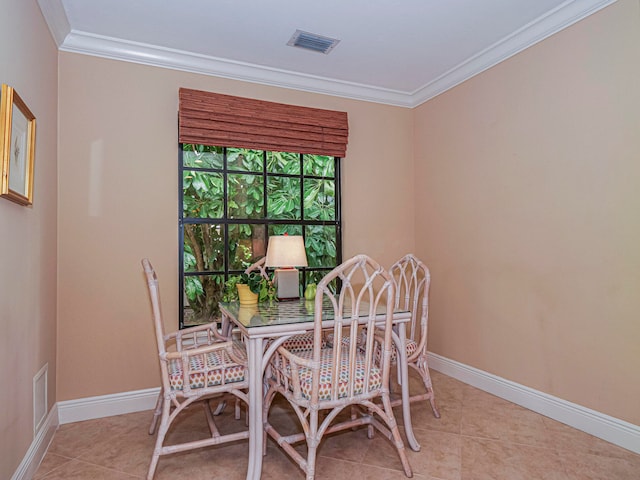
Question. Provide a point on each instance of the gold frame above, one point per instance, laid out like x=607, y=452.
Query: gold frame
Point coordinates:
x=16, y=185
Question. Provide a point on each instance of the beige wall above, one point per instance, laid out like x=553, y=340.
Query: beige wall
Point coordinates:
x=118, y=203
x=28, y=59
x=527, y=181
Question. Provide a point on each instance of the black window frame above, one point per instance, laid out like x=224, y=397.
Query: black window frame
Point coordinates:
x=225, y=222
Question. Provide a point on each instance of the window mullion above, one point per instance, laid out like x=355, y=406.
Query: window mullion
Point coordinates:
x=225, y=226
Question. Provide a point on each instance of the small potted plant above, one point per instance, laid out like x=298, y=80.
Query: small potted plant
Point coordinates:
x=249, y=288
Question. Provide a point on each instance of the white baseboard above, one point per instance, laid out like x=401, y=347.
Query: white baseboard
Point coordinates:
x=31, y=461
x=107, y=405
x=619, y=432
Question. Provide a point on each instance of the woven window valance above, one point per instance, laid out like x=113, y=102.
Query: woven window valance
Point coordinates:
x=224, y=120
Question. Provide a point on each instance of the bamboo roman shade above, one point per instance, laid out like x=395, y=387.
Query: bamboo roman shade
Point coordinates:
x=223, y=120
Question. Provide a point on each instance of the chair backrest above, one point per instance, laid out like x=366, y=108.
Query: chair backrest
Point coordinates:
x=259, y=265
x=154, y=294
x=365, y=299
x=412, y=280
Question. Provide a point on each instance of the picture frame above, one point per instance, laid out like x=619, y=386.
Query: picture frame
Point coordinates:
x=17, y=147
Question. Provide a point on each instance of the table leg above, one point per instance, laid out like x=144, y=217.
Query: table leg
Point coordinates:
x=404, y=383
x=256, y=440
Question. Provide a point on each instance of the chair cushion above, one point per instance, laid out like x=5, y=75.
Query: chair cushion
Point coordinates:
x=299, y=343
x=346, y=339
x=326, y=367
x=218, y=363
x=411, y=347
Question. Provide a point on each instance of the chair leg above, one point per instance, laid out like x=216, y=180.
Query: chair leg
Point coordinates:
x=395, y=432
x=423, y=369
x=266, y=405
x=311, y=463
x=223, y=404
x=162, y=432
x=237, y=409
x=354, y=415
x=398, y=381
x=153, y=466
x=220, y=408
x=156, y=413
x=371, y=432
x=312, y=444
x=434, y=407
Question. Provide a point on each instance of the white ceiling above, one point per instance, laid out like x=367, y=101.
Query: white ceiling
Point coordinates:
x=399, y=52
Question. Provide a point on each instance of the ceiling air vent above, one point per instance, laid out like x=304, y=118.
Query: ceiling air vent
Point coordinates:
x=311, y=41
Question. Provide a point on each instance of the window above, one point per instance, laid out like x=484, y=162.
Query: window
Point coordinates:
x=233, y=199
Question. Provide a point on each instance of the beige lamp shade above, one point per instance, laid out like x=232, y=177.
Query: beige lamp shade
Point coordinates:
x=286, y=251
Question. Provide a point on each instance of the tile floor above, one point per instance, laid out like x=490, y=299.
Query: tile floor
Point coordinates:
x=478, y=437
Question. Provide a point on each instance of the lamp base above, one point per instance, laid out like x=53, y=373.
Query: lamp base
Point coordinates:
x=288, y=283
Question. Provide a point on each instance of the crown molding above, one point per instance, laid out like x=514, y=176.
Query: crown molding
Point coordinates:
x=117, y=49
x=75, y=41
x=543, y=27
x=56, y=19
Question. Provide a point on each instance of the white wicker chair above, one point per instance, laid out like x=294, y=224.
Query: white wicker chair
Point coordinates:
x=196, y=364
x=333, y=378
x=412, y=280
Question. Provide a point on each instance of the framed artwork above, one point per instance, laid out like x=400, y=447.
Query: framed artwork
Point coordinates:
x=17, y=147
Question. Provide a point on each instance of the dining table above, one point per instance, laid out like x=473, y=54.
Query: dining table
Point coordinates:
x=266, y=326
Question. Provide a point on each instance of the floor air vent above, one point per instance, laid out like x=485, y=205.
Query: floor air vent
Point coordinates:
x=311, y=41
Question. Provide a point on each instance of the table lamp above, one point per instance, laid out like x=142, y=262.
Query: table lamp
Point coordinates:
x=285, y=252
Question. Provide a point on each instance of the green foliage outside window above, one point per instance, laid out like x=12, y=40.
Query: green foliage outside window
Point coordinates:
x=233, y=199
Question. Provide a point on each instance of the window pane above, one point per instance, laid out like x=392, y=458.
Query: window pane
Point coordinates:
x=246, y=244
x=203, y=194
x=201, y=296
x=283, y=162
x=203, y=247
x=245, y=196
x=319, y=165
x=282, y=229
x=202, y=156
x=319, y=199
x=283, y=198
x=316, y=276
x=245, y=160
x=320, y=243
